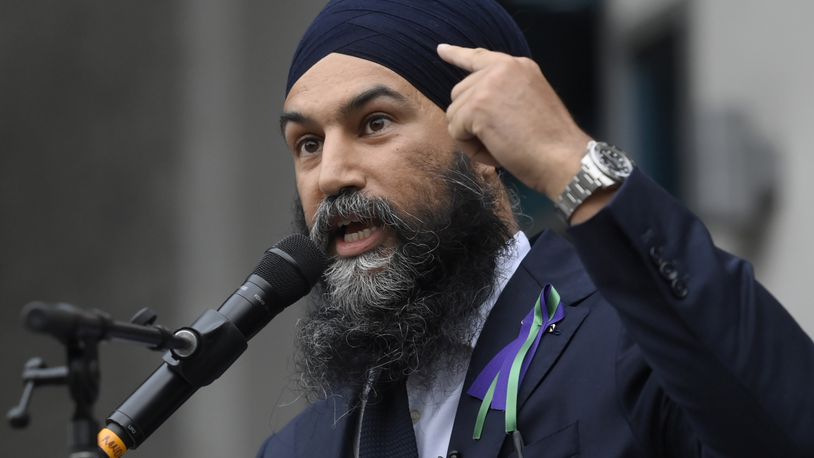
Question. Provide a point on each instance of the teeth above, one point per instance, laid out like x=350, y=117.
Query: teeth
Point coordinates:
x=360, y=235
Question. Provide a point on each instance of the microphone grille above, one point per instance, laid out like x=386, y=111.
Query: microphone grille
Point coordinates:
x=292, y=266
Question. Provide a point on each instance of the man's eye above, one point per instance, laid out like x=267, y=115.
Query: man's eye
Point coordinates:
x=376, y=124
x=309, y=146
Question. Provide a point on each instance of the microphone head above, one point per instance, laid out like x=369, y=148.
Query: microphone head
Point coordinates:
x=63, y=321
x=292, y=266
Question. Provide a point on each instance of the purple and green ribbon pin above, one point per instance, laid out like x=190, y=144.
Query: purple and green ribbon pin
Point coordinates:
x=499, y=382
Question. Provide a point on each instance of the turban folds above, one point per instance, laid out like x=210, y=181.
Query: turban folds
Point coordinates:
x=402, y=35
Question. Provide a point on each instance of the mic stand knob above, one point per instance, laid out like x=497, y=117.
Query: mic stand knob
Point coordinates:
x=35, y=373
x=145, y=317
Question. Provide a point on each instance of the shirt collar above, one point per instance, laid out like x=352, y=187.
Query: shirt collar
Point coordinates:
x=507, y=263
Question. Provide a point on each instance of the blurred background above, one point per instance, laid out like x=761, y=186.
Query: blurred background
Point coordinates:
x=141, y=165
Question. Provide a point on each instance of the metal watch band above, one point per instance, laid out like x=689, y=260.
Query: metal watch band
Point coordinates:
x=603, y=166
x=580, y=188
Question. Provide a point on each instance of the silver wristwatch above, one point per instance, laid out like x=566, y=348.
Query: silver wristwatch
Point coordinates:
x=603, y=166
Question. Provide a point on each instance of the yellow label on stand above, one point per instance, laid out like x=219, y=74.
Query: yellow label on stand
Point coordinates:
x=110, y=443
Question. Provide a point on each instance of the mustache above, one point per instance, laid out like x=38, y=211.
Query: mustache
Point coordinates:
x=353, y=205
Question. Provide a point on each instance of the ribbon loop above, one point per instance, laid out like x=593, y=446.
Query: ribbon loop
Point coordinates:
x=499, y=382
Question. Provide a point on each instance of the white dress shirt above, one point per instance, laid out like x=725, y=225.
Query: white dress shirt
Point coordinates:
x=433, y=409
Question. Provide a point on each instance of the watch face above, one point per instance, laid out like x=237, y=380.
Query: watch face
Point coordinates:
x=612, y=161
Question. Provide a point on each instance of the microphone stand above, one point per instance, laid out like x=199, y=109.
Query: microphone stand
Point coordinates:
x=80, y=331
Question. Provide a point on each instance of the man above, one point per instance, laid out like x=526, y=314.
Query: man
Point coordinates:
x=437, y=317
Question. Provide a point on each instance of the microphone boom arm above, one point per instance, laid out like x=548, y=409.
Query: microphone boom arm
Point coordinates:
x=66, y=322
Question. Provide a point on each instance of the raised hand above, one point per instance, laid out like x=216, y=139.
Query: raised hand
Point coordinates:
x=506, y=113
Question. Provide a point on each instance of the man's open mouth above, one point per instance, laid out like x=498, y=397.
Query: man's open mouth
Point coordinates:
x=353, y=236
x=353, y=231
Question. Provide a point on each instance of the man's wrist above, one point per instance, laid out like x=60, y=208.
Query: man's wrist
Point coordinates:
x=592, y=206
x=561, y=173
x=603, y=168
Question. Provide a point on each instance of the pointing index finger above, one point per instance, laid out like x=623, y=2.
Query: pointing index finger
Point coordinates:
x=469, y=59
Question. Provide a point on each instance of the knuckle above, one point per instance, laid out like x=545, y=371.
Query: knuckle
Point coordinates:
x=526, y=62
x=456, y=91
x=480, y=98
x=529, y=65
x=503, y=71
x=478, y=128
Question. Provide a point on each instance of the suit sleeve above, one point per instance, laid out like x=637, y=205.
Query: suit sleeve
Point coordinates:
x=736, y=369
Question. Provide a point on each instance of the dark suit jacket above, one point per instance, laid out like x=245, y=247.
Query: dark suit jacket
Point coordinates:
x=669, y=347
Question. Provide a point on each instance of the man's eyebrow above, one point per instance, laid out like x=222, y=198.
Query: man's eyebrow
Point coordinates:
x=354, y=104
x=369, y=95
x=293, y=116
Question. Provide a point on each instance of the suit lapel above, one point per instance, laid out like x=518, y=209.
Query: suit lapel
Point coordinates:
x=551, y=260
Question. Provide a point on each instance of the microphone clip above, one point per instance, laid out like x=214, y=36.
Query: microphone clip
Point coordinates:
x=214, y=344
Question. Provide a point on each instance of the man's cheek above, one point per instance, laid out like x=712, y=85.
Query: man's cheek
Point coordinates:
x=310, y=215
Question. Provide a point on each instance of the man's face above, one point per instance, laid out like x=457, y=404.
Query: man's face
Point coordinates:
x=354, y=124
x=413, y=226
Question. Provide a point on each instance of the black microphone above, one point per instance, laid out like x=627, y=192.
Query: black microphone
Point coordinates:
x=286, y=273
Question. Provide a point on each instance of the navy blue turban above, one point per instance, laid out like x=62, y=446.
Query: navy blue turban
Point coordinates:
x=402, y=35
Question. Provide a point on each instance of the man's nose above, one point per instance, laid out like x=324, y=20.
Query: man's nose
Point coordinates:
x=340, y=167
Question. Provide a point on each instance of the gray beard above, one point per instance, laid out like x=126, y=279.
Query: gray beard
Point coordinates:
x=407, y=310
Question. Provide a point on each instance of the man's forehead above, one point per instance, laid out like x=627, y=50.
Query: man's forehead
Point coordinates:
x=337, y=78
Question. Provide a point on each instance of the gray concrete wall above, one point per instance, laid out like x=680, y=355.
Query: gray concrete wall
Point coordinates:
x=755, y=58
x=89, y=115
x=141, y=165
x=237, y=187
x=749, y=110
